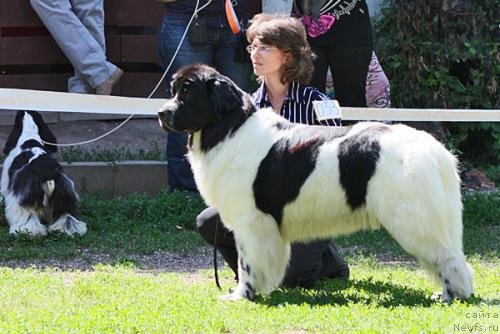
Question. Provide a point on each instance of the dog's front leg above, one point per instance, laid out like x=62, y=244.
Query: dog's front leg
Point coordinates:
x=22, y=220
x=262, y=258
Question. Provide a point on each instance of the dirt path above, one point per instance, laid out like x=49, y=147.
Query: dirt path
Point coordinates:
x=160, y=261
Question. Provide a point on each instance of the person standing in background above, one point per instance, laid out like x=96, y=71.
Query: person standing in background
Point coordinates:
x=378, y=89
x=341, y=36
x=210, y=41
x=77, y=26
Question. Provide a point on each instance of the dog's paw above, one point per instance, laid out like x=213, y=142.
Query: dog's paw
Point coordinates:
x=69, y=225
x=231, y=297
x=239, y=293
x=32, y=227
x=438, y=297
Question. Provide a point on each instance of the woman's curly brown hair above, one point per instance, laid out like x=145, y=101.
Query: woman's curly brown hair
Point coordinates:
x=289, y=35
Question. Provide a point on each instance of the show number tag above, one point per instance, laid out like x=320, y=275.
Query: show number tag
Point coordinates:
x=327, y=109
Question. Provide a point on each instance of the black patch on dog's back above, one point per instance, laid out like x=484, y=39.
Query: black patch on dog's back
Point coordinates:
x=282, y=173
x=43, y=167
x=19, y=162
x=358, y=156
x=30, y=144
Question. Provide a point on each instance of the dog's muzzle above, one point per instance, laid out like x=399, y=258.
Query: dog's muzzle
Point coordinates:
x=165, y=120
x=165, y=116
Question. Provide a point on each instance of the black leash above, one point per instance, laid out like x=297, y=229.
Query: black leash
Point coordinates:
x=215, y=258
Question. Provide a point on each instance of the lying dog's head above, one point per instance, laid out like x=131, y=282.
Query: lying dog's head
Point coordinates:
x=201, y=98
x=30, y=127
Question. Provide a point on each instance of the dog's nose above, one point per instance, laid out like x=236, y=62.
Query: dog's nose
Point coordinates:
x=166, y=109
x=163, y=116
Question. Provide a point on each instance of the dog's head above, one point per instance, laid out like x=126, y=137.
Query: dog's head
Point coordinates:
x=29, y=126
x=201, y=97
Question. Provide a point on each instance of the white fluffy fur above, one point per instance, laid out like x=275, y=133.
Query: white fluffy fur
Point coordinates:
x=414, y=194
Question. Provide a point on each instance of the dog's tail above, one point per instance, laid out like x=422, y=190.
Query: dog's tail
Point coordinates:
x=444, y=195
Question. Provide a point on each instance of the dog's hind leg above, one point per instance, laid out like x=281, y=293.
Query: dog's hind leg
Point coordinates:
x=262, y=257
x=22, y=220
x=446, y=263
x=436, y=241
x=63, y=204
x=423, y=212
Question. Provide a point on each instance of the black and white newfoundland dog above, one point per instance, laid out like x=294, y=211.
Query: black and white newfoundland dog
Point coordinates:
x=275, y=182
x=36, y=191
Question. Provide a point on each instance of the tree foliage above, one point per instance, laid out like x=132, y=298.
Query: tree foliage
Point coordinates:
x=445, y=54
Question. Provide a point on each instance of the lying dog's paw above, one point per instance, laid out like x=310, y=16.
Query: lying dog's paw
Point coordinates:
x=31, y=227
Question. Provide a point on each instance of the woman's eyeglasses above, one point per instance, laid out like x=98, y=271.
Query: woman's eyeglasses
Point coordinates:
x=260, y=48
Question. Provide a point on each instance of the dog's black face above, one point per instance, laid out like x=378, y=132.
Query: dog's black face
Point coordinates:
x=27, y=126
x=201, y=97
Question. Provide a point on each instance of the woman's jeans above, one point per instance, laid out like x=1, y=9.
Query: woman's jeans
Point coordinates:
x=220, y=52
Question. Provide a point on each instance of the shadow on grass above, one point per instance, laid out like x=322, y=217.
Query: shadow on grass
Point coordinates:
x=365, y=292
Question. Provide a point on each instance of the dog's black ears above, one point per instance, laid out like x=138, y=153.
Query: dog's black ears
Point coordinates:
x=226, y=97
x=43, y=131
x=15, y=133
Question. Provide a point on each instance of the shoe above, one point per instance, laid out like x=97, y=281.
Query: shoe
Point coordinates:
x=335, y=266
x=107, y=86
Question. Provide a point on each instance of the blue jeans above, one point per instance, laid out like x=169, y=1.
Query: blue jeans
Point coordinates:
x=220, y=53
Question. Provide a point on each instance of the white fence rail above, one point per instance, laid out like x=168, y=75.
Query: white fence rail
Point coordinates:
x=24, y=99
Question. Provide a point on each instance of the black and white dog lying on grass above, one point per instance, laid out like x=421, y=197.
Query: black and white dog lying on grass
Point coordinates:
x=35, y=189
x=275, y=182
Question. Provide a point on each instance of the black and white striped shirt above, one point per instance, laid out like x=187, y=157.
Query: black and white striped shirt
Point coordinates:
x=297, y=107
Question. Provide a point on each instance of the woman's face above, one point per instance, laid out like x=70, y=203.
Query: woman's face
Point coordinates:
x=266, y=59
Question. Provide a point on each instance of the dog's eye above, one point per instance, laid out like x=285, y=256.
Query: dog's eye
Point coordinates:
x=184, y=89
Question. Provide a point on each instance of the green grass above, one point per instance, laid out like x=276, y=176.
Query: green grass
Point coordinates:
x=140, y=224
x=137, y=224
x=377, y=299
x=76, y=153
x=387, y=291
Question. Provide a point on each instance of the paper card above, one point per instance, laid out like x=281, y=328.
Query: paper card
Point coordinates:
x=327, y=109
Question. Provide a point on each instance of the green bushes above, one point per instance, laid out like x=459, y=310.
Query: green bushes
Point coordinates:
x=445, y=54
